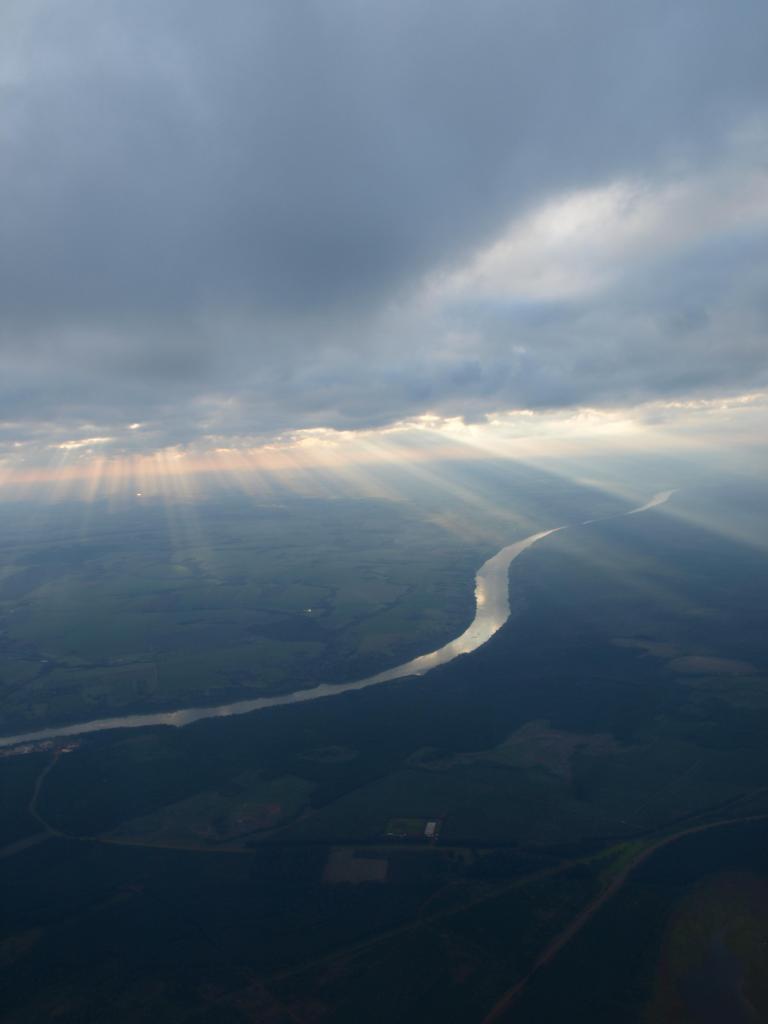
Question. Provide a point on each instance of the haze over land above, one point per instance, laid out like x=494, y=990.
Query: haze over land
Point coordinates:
x=420, y=344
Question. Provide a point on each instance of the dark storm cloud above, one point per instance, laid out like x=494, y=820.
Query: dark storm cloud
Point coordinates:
x=210, y=211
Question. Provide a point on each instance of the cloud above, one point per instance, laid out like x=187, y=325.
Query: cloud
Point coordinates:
x=265, y=217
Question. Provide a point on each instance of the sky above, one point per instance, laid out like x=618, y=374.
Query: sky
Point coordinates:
x=247, y=227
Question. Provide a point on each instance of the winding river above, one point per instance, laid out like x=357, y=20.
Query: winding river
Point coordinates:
x=492, y=611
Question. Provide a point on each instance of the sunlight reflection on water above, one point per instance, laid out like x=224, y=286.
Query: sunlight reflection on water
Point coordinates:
x=492, y=611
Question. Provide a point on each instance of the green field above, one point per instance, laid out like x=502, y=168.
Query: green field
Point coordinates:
x=224, y=602
x=273, y=866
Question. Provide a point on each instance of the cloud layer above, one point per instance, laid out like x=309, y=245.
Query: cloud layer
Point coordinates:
x=228, y=221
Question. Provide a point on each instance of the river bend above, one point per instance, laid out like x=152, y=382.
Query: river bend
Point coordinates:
x=491, y=612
